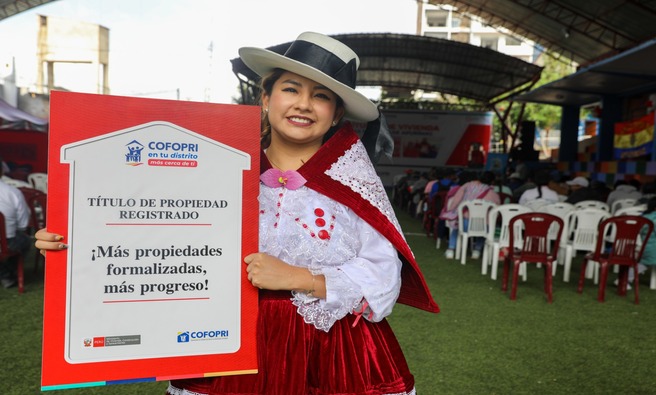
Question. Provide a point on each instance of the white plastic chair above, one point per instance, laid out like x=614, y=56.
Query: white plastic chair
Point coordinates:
x=622, y=204
x=638, y=209
x=39, y=181
x=630, y=210
x=582, y=226
x=497, y=237
x=479, y=210
x=592, y=204
x=15, y=183
x=560, y=210
x=536, y=204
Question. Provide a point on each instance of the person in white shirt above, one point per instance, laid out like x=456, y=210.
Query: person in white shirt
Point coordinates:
x=625, y=190
x=17, y=215
x=541, y=191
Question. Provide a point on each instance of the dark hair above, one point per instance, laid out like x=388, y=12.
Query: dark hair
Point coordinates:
x=651, y=205
x=636, y=183
x=649, y=188
x=618, y=183
x=541, y=178
x=466, y=176
x=487, y=177
x=266, y=86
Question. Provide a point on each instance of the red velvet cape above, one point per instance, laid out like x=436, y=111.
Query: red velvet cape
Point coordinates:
x=414, y=291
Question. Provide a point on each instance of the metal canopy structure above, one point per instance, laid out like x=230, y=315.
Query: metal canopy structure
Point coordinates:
x=612, y=40
x=427, y=63
x=584, y=31
x=623, y=75
x=12, y=7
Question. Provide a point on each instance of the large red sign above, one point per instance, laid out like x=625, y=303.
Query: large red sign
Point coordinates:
x=157, y=200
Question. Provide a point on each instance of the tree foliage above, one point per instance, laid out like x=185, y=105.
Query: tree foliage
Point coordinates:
x=546, y=116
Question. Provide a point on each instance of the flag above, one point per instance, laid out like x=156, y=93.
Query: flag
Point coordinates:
x=634, y=138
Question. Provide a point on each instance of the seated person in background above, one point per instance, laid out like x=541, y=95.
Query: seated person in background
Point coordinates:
x=502, y=189
x=541, y=191
x=528, y=184
x=579, y=190
x=625, y=190
x=515, y=181
x=444, y=183
x=432, y=180
x=601, y=189
x=440, y=193
x=416, y=190
x=558, y=185
x=474, y=189
x=6, y=170
x=649, y=255
x=425, y=201
x=17, y=215
x=648, y=192
x=402, y=182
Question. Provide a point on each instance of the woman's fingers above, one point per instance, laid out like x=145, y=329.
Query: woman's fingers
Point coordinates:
x=49, y=241
x=43, y=234
x=50, y=245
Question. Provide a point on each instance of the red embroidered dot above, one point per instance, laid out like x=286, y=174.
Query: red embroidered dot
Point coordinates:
x=320, y=222
x=305, y=226
x=312, y=234
x=261, y=211
x=323, y=234
x=318, y=212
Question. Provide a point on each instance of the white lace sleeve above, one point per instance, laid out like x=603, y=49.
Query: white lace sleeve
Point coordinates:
x=374, y=275
x=307, y=229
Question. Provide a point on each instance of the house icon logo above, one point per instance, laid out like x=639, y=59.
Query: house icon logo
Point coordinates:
x=133, y=156
x=183, y=337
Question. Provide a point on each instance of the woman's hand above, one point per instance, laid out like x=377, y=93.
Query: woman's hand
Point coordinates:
x=49, y=241
x=267, y=272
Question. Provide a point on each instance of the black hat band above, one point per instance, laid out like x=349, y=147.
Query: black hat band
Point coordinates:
x=323, y=60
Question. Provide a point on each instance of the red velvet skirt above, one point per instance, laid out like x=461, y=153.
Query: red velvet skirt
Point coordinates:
x=294, y=358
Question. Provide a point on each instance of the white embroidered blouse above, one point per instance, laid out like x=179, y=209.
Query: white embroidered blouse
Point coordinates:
x=307, y=229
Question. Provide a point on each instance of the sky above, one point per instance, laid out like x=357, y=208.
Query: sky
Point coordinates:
x=160, y=48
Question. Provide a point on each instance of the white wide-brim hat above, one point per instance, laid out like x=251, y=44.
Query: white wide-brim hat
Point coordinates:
x=322, y=59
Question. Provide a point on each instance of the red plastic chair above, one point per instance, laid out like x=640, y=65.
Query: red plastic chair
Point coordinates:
x=535, y=248
x=432, y=215
x=505, y=198
x=29, y=194
x=36, y=200
x=631, y=235
x=5, y=254
x=38, y=206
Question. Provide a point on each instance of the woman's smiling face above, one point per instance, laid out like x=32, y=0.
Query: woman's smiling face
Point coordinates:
x=300, y=110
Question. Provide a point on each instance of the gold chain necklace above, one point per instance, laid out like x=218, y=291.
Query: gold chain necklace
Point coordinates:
x=276, y=165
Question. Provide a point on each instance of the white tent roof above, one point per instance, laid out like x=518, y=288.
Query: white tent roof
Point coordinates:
x=13, y=118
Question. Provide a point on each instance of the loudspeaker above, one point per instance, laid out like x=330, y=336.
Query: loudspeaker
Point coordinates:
x=527, y=135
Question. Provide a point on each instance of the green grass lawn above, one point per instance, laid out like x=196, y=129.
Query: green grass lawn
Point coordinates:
x=481, y=342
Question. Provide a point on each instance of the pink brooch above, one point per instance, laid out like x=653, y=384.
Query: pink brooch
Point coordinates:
x=289, y=179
